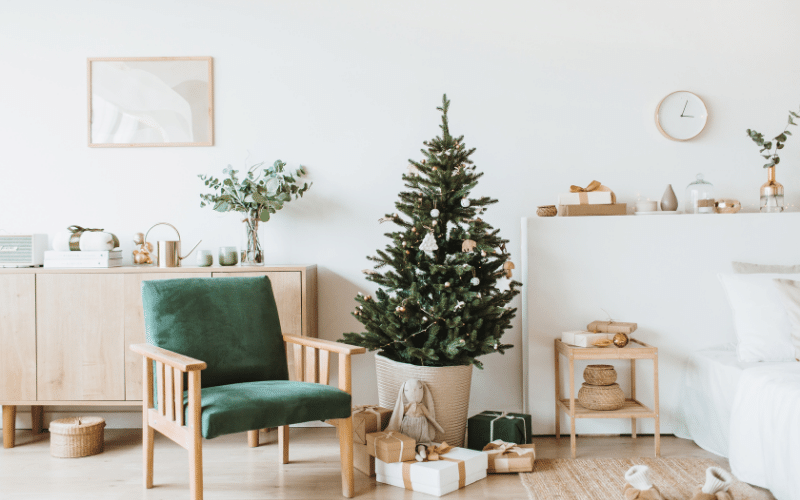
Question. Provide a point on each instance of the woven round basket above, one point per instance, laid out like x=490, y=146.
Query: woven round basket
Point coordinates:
x=449, y=387
x=546, y=211
x=600, y=375
x=76, y=437
x=601, y=397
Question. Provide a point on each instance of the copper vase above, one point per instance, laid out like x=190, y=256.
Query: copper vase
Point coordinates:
x=771, y=193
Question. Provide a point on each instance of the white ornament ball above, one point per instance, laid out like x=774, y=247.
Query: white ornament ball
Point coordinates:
x=435, y=213
x=483, y=252
x=464, y=202
x=433, y=223
x=475, y=281
x=447, y=284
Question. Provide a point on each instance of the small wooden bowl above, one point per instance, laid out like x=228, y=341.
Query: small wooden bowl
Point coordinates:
x=546, y=211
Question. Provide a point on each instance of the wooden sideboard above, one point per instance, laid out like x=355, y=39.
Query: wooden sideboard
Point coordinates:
x=64, y=333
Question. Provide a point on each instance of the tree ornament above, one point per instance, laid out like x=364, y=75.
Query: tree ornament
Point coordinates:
x=368, y=297
x=404, y=243
x=423, y=162
x=507, y=267
x=475, y=281
x=413, y=230
x=447, y=284
x=433, y=223
x=412, y=169
x=468, y=245
x=408, y=252
x=434, y=168
x=458, y=305
x=429, y=244
x=465, y=202
x=483, y=253
x=434, y=213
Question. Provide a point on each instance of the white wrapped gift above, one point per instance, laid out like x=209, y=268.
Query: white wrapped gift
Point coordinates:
x=454, y=469
x=582, y=338
x=591, y=198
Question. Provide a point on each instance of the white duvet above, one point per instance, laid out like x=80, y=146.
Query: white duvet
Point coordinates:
x=765, y=429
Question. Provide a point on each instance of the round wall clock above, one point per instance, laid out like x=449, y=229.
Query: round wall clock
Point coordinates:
x=681, y=116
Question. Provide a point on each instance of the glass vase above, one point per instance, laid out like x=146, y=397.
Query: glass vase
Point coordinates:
x=771, y=193
x=699, y=197
x=252, y=253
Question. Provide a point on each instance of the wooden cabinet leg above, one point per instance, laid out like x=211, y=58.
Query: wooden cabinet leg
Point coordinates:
x=9, y=425
x=633, y=395
x=37, y=419
x=572, y=438
x=283, y=443
x=252, y=438
x=657, y=433
x=558, y=395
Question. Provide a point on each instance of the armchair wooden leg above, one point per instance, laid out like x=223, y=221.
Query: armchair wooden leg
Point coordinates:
x=9, y=425
x=283, y=443
x=37, y=419
x=345, y=430
x=147, y=442
x=252, y=438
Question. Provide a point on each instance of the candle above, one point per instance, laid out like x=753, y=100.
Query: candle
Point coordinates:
x=228, y=256
x=204, y=258
x=646, y=206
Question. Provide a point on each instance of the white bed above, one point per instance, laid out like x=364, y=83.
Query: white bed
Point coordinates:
x=708, y=389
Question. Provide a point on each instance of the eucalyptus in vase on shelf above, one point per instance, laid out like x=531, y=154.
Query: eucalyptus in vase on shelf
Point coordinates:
x=772, y=191
x=257, y=195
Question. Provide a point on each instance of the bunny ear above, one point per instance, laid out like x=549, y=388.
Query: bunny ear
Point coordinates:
x=397, y=413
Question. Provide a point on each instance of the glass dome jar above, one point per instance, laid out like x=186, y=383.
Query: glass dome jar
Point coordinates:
x=699, y=197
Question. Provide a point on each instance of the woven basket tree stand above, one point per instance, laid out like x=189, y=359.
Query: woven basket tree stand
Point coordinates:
x=76, y=437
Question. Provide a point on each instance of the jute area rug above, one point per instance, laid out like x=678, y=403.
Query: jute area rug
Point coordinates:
x=603, y=479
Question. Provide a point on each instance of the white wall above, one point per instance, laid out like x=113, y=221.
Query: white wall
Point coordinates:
x=551, y=94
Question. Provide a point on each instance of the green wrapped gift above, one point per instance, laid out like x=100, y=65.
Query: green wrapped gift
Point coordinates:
x=487, y=426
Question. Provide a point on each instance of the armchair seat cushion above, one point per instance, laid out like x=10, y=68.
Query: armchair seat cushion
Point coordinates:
x=227, y=409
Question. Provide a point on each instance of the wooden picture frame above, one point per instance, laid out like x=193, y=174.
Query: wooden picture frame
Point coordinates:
x=150, y=101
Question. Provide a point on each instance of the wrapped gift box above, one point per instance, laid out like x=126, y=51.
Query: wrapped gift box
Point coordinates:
x=487, y=426
x=368, y=419
x=362, y=460
x=590, y=198
x=455, y=469
x=390, y=446
x=509, y=457
x=584, y=339
x=611, y=327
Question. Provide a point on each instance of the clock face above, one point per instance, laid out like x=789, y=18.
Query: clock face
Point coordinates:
x=681, y=116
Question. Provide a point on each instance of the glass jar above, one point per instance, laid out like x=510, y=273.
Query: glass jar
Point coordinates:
x=699, y=197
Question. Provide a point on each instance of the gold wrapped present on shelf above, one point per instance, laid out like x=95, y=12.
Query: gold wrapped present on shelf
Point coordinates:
x=509, y=457
x=369, y=418
x=593, y=194
x=611, y=327
x=390, y=447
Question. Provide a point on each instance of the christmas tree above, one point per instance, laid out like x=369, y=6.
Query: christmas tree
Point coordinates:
x=438, y=301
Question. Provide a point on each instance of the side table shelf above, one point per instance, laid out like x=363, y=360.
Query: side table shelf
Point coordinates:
x=632, y=408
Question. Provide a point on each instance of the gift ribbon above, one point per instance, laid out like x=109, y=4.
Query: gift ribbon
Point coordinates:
x=499, y=463
x=387, y=435
x=75, y=238
x=435, y=453
x=593, y=186
x=510, y=417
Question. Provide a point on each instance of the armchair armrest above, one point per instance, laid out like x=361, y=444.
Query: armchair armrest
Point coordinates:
x=173, y=359
x=325, y=345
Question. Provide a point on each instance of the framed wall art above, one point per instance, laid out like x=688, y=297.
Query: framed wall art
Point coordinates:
x=150, y=101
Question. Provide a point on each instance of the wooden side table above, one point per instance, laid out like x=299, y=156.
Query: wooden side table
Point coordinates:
x=632, y=409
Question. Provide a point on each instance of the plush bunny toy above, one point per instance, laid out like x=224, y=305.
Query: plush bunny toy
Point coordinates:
x=415, y=416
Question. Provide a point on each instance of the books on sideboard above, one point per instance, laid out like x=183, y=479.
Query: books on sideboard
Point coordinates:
x=77, y=260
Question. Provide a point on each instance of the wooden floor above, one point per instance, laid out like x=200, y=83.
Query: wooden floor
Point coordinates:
x=234, y=471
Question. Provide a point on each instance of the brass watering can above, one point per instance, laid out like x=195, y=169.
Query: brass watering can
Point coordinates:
x=169, y=251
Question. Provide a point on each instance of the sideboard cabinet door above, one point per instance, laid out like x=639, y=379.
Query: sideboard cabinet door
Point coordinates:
x=80, y=337
x=18, y=337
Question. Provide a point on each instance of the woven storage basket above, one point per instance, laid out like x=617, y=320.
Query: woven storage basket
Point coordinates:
x=449, y=387
x=601, y=397
x=546, y=211
x=600, y=374
x=76, y=437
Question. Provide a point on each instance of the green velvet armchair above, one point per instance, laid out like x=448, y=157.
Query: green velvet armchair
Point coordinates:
x=228, y=328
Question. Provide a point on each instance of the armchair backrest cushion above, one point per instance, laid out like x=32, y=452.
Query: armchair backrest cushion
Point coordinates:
x=230, y=323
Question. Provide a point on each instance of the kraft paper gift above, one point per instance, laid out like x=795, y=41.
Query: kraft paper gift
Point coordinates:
x=509, y=457
x=592, y=210
x=582, y=338
x=447, y=469
x=593, y=194
x=612, y=327
x=487, y=426
x=362, y=460
x=390, y=446
x=369, y=418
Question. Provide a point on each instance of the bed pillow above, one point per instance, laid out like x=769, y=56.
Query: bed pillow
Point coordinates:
x=760, y=319
x=747, y=268
x=789, y=292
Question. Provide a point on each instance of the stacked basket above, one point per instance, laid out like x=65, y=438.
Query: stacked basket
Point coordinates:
x=600, y=391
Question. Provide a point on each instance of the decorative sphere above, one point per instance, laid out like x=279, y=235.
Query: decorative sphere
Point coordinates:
x=446, y=284
x=464, y=202
x=475, y=281
x=435, y=213
x=483, y=253
x=620, y=340
x=433, y=223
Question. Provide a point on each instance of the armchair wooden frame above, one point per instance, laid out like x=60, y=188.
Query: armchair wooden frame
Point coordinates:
x=312, y=364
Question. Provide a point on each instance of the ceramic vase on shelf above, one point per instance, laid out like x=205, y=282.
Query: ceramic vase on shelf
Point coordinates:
x=669, y=202
x=252, y=251
x=771, y=193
